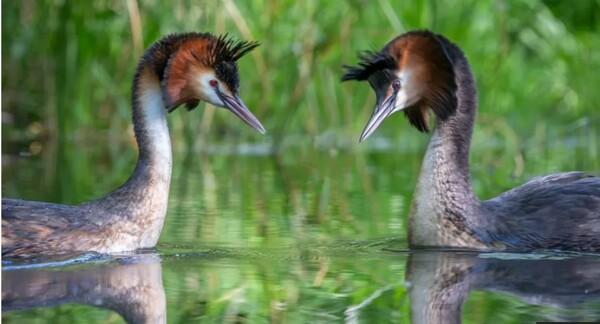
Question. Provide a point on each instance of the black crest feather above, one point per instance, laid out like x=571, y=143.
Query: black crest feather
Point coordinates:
x=227, y=49
x=370, y=62
x=223, y=56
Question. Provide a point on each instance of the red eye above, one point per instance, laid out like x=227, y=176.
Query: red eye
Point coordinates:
x=396, y=85
x=213, y=83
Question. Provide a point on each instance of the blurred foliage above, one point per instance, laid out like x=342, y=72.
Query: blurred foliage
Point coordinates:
x=67, y=69
x=68, y=64
x=66, y=135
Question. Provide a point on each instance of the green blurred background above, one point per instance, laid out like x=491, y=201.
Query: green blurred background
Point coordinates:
x=67, y=68
x=67, y=65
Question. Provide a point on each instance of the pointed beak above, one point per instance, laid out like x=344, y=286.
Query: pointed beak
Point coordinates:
x=382, y=111
x=237, y=107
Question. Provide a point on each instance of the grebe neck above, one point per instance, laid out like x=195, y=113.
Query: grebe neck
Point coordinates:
x=150, y=124
x=444, y=206
x=136, y=210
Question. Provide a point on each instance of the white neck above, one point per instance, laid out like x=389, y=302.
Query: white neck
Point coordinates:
x=154, y=164
x=136, y=211
x=155, y=129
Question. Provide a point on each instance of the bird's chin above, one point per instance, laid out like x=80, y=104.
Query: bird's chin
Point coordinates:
x=191, y=104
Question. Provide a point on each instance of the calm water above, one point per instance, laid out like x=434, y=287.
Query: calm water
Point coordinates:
x=315, y=234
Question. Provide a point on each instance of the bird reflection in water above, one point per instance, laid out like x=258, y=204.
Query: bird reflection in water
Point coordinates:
x=130, y=286
x=440, y=282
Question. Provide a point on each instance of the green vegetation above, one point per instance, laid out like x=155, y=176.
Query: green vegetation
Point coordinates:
x=68, y=65
x=66, y=137
x=67, y=69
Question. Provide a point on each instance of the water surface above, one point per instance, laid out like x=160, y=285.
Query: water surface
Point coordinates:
x=313, y=235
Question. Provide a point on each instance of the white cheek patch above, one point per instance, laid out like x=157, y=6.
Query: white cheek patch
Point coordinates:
x=209, y=93
x=409, y=92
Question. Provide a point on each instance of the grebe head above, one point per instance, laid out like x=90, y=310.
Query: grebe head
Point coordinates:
x=204, y=68
x=413, y=73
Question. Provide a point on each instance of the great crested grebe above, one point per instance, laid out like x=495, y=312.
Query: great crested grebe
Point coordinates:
x=421, y=72
x=178, y=69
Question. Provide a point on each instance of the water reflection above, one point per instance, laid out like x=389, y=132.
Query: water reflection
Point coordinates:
x=132, y=287
x=440, y=282
x=354, y=282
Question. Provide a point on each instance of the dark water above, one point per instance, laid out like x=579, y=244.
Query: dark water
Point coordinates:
x=315, y=235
